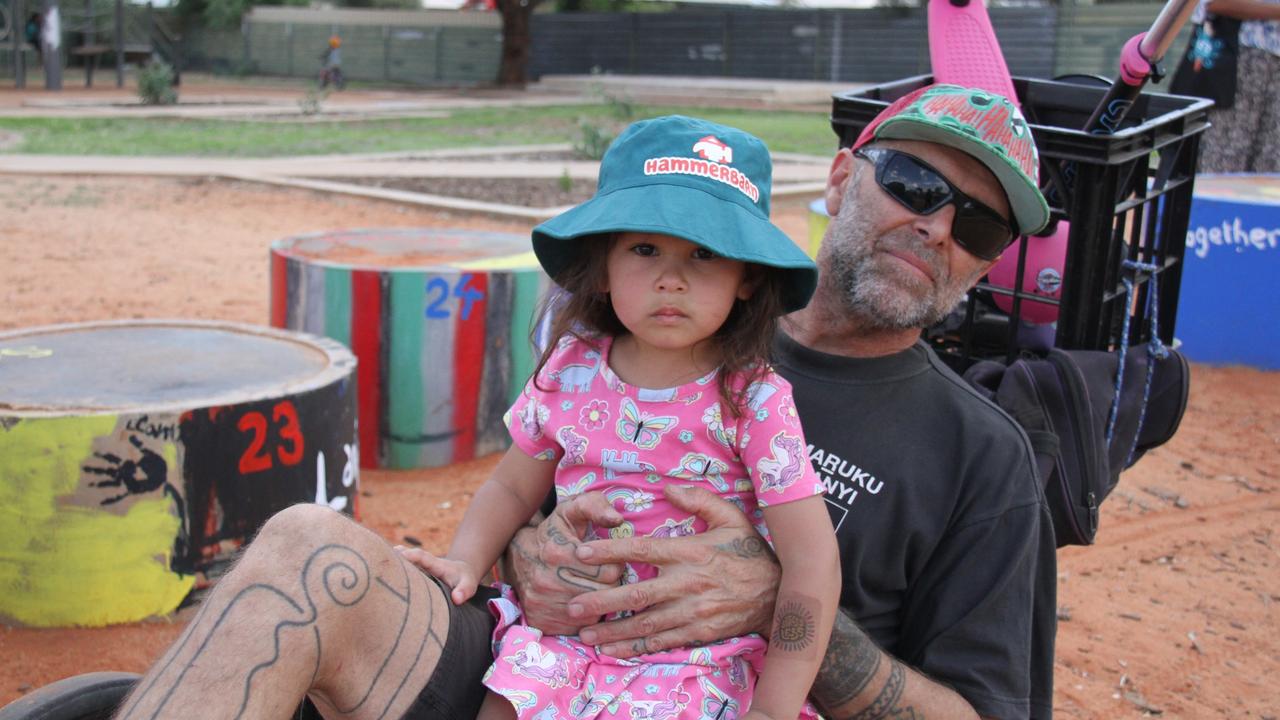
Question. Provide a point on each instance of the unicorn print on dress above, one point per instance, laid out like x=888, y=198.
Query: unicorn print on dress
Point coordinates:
x=640, y=428
x=670, y=528
x=577, y=378
x=575, y=446
x=531, y=417
x=549, y=668
x=785, y=466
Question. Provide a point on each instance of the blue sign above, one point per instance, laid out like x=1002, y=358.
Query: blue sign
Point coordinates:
x=1229, y=304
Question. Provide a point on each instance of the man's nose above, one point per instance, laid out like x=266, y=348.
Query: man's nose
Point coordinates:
x=935, y=228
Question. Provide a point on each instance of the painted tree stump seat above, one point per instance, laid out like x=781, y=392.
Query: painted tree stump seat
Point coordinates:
x=137, y=456
x=439, y=320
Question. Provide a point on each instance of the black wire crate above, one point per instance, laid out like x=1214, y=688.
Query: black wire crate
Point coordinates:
x=1127, y=198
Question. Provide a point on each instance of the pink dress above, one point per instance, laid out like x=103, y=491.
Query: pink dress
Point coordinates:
x=627, y=442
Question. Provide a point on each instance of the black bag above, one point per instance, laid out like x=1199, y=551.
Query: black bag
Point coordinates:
x=1064, y=402
x=1208, y=67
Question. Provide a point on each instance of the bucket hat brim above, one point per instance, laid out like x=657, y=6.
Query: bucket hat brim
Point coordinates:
x=726, y=228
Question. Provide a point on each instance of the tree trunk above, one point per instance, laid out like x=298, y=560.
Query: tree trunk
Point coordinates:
x=516, y=40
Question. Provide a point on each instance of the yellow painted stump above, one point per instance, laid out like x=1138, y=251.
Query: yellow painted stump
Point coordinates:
x=136, y=456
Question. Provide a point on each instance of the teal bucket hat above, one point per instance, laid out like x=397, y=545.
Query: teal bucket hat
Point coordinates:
x=697, y=180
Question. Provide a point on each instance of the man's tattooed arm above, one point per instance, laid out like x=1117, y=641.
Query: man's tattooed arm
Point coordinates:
x=859, y=681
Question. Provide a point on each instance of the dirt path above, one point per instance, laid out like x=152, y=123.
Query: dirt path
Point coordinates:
x=1174, y=610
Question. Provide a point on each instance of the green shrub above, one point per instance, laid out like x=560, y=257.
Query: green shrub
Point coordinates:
x=155, y=83
x=310, y=104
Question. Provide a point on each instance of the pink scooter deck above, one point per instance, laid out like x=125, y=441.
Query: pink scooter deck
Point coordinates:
x=963, y=48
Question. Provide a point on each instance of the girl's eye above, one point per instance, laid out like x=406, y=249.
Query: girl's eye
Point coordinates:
x=704, y=254
x=644, y=250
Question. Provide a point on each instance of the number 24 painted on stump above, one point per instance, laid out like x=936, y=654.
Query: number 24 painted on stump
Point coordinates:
x=289, y=436
x=468, y=295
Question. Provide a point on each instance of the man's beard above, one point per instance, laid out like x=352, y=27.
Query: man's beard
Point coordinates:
x=874, y=288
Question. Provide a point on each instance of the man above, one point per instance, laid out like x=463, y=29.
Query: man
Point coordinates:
x=946, y=545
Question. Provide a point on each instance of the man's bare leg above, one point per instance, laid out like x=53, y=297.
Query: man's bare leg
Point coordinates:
x=318, y=605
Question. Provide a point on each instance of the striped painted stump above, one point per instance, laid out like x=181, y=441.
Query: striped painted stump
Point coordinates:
x=137, y=456
x=439, y=321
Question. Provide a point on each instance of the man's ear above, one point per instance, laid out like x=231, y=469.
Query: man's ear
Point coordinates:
x=838, y=180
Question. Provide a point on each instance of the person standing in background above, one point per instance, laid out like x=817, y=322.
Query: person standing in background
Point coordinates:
x=1233, y=58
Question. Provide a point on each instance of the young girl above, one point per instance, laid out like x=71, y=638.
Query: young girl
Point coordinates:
x=657, y=373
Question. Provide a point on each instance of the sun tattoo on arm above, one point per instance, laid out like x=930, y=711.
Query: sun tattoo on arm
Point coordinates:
x=795, y=625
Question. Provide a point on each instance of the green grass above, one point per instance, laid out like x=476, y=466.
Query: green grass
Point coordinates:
x=782, y=131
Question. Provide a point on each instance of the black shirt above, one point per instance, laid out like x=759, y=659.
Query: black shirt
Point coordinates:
x=945, y=540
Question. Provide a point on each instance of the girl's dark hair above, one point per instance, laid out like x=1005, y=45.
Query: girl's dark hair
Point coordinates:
x=585, y=312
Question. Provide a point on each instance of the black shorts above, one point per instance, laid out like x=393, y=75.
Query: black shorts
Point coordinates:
x=455, y=690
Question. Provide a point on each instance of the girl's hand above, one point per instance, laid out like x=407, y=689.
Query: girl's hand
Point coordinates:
x=754, y=715
x=454, y=573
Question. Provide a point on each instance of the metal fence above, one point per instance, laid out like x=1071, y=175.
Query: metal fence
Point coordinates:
x=856, y=45
x=421, y=48
x=463, y=48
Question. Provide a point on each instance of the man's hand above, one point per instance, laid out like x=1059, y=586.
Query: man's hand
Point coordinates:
x=456, y=574
x=541, y=565
x=717, y=584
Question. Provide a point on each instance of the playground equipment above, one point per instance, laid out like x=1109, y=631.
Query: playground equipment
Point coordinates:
x=440, y=321
x=140, y=454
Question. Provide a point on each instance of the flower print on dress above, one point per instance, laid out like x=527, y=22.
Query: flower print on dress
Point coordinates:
x=670, y=528
x=713, y=418
x=632, y=501
x=544, y=666
x=577, y=487
x=787, y=411
x=575, y=446
x=594, y=415
x=700, y=466
x=784, y=467
x=640, y=428
x=623, y=529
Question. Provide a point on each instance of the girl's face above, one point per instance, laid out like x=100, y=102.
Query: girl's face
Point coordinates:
x=671, y=293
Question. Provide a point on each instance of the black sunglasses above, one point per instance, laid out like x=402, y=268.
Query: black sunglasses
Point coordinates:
x=923, y=190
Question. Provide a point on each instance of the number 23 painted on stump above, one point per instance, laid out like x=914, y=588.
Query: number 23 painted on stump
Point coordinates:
x=438, y=291
x=289, y=445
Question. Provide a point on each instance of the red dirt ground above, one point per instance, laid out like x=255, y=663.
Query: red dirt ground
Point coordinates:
x=1173, y=611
